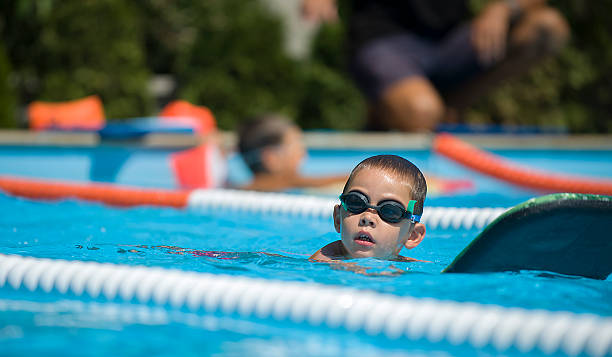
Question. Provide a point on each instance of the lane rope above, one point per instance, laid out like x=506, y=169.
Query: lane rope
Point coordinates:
x=303, y=206
x=373, y=313
x=495, y=166
x=215, y=200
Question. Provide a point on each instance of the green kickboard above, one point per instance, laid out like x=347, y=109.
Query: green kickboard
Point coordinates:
x=564, y=233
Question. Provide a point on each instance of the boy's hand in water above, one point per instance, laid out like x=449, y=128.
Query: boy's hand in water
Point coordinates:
x=354, y=267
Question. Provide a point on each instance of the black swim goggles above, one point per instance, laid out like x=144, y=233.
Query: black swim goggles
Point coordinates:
x=389, y=211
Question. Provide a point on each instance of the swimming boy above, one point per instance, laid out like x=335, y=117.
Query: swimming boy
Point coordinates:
x=379, y=211
x=273, y=149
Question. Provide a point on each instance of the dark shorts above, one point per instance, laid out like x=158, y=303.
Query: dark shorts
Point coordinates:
x=446, y=63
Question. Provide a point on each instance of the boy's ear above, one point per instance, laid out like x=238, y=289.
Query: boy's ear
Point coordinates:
x=416, y=236
x=337, y=218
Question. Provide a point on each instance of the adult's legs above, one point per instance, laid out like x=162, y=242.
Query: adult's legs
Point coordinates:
x=538, y=34
x=411, y=104
x=391, y=72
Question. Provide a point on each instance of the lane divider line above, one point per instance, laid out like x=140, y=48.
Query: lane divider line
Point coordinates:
x=215, y=200
x=99, y=192
x=370, y=312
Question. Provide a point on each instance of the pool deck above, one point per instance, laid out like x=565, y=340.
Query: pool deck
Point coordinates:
x=316, y=140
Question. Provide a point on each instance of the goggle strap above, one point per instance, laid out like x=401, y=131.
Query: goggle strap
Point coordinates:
x=413, y=217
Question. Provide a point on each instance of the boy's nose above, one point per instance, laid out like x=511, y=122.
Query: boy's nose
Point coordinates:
x=367, y=218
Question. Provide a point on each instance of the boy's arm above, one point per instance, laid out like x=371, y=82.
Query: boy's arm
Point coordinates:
x=334, y=260
x=267, y=182
x=318, y=181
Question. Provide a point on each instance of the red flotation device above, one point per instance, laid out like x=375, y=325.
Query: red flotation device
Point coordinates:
x=203, y=166
x=80, y=114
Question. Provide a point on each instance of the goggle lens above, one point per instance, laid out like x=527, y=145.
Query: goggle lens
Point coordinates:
x=354, y=203
x=391, y=211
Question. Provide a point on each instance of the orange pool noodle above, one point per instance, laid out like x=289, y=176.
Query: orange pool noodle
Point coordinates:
x=105, y=193
x=493, y=165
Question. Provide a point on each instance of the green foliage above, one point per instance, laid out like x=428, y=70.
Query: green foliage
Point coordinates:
x=227, y=55
x=328, y=100
x=235, y=63
x=7, y=96
x=329, y=97
x=62, y=50
x=232, y=61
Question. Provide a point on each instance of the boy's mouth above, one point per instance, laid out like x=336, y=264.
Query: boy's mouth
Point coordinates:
x=364, y=238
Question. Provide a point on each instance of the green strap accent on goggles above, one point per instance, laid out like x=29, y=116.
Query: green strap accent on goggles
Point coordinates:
x=413, y=217
x=410, y=207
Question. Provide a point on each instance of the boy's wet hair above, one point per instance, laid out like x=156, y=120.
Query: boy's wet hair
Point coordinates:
x=258, y=133
x=402, y=168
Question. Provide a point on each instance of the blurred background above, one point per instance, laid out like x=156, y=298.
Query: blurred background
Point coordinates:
x=245, y=57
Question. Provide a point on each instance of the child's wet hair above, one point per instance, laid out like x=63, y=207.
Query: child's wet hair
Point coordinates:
x=402, y=168
x=258, y=133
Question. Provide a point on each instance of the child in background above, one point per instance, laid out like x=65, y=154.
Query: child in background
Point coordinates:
x=273, y=149
x=381, y=205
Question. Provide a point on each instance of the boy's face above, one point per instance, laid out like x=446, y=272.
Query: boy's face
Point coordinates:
x=292, y=150
x=366, y=234
x=285, y=159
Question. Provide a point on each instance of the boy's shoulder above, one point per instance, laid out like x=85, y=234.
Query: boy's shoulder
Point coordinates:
x=332, y=251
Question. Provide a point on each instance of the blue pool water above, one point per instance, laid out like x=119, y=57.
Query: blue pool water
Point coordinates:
x=152, y=168
x=256, y=246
